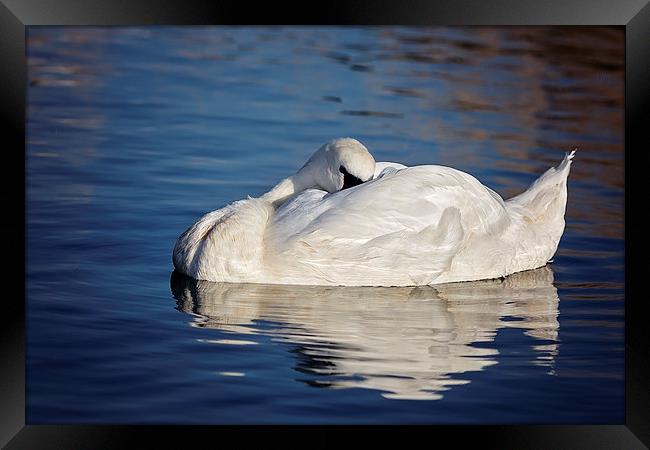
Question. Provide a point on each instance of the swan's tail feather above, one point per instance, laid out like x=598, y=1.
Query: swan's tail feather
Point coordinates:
x=545, y=199
x=568, y=157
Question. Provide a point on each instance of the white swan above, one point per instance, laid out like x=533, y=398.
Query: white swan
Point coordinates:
x=343, y=219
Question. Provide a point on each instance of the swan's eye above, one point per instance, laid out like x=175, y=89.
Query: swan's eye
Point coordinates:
x=349, y=180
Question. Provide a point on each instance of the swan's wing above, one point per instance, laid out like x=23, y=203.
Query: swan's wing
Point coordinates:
x=408, y=199
x=298, y=212
x=417, y=216
x=383, y=165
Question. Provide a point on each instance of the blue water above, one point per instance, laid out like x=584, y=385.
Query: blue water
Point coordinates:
x=134, y=133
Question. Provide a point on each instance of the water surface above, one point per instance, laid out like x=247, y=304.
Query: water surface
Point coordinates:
x=133, y=133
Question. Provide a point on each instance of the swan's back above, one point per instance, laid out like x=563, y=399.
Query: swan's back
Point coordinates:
x=402, y=228
x=409, y=199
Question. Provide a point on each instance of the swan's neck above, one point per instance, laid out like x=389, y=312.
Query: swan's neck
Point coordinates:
x=288, y=187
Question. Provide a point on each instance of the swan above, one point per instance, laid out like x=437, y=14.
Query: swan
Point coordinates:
x=344, y=219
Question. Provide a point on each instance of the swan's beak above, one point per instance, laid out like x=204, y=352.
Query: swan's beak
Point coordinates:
x=349, y=180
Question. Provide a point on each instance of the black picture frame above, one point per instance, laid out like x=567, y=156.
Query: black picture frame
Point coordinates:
x=15, y=15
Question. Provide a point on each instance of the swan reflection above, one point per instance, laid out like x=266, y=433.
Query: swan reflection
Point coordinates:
x=409, y=343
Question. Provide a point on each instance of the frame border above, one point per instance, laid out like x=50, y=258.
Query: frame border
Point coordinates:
x=15, y=15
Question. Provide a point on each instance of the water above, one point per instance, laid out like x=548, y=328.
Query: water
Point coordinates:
x=133, y=133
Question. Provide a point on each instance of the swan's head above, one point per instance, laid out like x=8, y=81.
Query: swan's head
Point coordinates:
x=340, y=164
